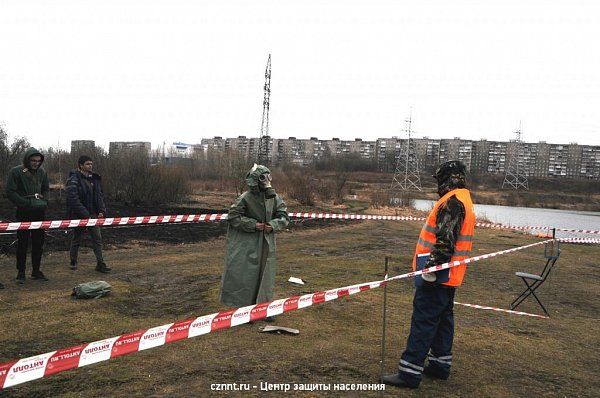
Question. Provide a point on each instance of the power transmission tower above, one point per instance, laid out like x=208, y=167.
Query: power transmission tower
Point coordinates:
x=516, y=171
x=407, y=175
x=264, y=141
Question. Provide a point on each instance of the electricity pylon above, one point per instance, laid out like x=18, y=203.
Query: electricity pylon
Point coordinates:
x=516, y=171
x=407, y=175
x=264, y=141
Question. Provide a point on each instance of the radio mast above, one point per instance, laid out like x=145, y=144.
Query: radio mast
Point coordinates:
x=264, y=140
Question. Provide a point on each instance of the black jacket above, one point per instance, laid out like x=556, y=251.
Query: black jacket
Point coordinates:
x=85, y=198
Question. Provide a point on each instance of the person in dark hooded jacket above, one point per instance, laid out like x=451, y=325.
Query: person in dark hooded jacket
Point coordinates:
x=85, y=199
x=249, y=274
x=27, y=188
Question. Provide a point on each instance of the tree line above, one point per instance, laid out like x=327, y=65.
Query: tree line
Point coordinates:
x=138, y=177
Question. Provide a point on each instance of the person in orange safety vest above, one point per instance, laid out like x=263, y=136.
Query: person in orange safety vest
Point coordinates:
x=446, y=236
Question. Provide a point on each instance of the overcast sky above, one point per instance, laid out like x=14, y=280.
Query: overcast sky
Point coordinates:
x=165, y=71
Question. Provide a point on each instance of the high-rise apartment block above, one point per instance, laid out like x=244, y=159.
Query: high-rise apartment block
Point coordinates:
x=83, y=147
x=539, y=159
x=119, y=147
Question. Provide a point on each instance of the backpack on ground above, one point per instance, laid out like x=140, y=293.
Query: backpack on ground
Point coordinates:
x=95, y=289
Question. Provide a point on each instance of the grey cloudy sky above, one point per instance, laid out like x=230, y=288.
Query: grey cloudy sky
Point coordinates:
x=185, y=70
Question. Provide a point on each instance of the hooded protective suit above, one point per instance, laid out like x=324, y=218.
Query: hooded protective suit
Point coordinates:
x=249, y=274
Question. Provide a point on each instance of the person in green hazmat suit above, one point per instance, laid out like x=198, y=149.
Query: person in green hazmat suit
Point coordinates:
x=254, y=218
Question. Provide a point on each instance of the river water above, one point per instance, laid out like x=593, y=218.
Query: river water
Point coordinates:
x=528, y=216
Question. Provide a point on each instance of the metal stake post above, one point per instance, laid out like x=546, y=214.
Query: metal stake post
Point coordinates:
x=384, y=319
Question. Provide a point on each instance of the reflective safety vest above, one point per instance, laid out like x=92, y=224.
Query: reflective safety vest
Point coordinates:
x=464, y=242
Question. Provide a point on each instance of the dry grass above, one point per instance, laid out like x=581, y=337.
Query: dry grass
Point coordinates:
x=495, y=355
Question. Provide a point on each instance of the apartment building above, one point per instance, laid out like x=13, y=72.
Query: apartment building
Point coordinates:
x=539, y=159
x=118, y=147
x=83, y=147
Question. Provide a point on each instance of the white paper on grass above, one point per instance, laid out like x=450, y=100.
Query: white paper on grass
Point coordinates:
x=278, y=329
x=295, y=280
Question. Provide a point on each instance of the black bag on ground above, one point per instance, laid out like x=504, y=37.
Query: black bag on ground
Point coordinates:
x=95, y=289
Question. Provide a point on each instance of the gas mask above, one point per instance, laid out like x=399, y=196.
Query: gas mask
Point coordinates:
x=264, y=184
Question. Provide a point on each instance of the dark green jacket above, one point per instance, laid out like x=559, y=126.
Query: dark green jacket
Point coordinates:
x=243, y=283
x=22, y=184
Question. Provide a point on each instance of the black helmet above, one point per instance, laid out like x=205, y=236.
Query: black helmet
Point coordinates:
x=450, y=168
x=450, y=175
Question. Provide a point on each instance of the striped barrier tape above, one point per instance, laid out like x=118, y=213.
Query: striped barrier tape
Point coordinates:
x=410, y=218
x=580, y=240
x=39, y=366
x=181, y=218
x=532, y=228
x=194, y=218
x=466, y=261
x=111, y=221
x=339, y=216
x=483, y=307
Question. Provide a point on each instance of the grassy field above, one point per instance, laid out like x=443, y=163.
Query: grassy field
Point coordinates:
x=495, y=355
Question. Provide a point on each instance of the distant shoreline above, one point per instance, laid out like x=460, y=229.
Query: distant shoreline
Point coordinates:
x=541, y=200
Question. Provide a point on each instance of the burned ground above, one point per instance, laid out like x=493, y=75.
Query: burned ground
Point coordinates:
x=151, y=235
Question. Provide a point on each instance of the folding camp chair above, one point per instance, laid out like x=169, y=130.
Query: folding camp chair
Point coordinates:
x=551, y=253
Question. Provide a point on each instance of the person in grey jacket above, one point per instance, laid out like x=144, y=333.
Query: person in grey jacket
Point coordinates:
x=85, y=199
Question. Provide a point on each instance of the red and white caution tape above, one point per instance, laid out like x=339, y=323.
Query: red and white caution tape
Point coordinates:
x=579, y=231
x=531, y=228
x=28, y=369
x=336, y=216
x=36, y=367
x=467, y=261
x=181, y=218
x=112, y=221
x=580, y=240
x=193, y=218
x=483, y=307
x=410, y=218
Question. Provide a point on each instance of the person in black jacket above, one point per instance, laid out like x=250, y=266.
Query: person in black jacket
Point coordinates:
x=86, y=200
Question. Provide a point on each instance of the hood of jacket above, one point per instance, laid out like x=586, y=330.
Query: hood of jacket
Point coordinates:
x=254, y=173
x=31, y=151
x=450, y=175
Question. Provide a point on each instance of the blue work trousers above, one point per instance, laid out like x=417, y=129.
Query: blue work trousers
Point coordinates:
x=431, y=333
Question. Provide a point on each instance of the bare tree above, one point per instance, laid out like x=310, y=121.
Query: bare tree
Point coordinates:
x=340, y=179
x=11, y=152
x=299, y=183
